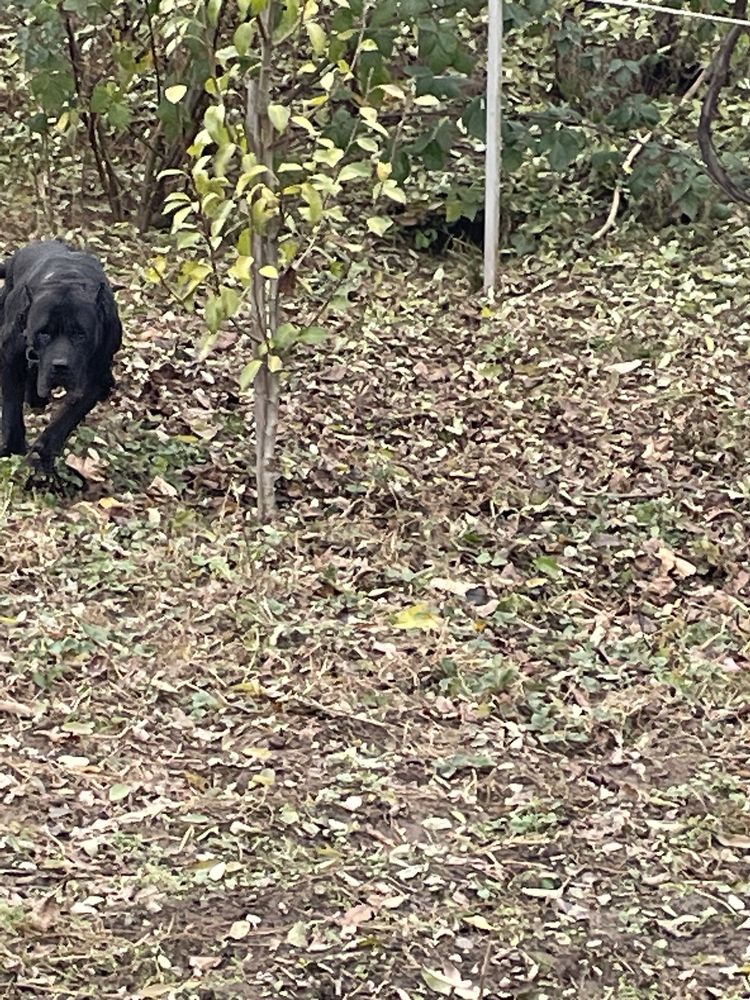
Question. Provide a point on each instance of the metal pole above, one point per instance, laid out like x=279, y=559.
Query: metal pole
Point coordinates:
x=493, y=154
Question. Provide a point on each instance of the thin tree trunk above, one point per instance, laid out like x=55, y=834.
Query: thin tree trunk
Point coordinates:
x=265, y=291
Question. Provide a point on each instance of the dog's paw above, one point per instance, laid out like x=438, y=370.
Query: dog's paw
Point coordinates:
x=40, y=462
x=45, y=477
x=44, y=481
x=42, y=472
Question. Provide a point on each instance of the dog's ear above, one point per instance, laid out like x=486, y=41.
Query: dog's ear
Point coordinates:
x=21, y=309
x=107, y=309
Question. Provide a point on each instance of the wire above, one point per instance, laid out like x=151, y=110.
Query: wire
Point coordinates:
x=659, y=9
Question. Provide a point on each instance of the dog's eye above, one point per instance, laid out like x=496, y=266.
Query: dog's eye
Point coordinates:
x=44, y=337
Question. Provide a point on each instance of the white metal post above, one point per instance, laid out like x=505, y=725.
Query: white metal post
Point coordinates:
x=493, y=154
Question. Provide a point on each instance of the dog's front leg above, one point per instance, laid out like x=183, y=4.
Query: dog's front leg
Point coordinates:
x=50, y=444
x=13, y=383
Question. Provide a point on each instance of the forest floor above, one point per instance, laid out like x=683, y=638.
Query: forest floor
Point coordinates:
x=469, y=720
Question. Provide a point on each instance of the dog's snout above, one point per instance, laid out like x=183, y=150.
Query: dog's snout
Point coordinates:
x=59, y=366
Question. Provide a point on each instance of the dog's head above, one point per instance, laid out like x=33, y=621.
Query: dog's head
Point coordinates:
x=63, y=330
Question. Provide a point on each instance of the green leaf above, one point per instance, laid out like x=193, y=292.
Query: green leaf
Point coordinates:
x=512, y=158
x=288, y=22
x=367, y=143
x=248, y=373
x=304, y=123
x=230, y=301
x=213, y=9
x=370, y=115
x=433, y=156
x=285, y=336
x=329, y=156
x=393, y=191
x=175, y=93
x=243, y=37
x=221, y=217
x=223, y=157
x=564, y=147
x=187, y=238
x=245, y=243
x=100, y=99
x=213, y=313
x=242, y=269
x=312, y=335
x=268, y=271
x=274, y=363
x=53, y=90
x=393, y=91
x=206, y=345
x=548, y=566
x=119, y=792
x=119, y=115
x=314, y=201
x=379, y=224
x=38, y=124
x=355, y=170
x=175, y=198
x=317, y=37
x=180, y=216
x=279, y=116
x=157, y=270
x=249, y=176
x=474, y=119
x=419, y=616
x=214, y=122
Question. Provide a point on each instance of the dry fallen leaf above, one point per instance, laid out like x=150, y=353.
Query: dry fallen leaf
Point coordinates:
x=624, y=367
x=671, y=562
x=418, y=616
x=355, y=916
x=204, y=963
x=162, y=487
x=458, y=587
x=239, y=930
x=43, y=914
x=16, y=708
x=739, y=840
x=90, y=467
x=297, y=935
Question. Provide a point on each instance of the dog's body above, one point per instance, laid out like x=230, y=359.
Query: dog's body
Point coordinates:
x=59, y=328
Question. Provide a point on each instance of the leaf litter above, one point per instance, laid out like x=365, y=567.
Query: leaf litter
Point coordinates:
x=469, y=720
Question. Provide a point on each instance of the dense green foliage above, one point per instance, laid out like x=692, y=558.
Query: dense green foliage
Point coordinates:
x=581, y=84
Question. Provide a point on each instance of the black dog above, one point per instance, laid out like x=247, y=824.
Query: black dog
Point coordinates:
x=59, y=328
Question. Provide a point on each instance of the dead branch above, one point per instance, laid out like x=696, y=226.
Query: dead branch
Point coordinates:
x=719, y=75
